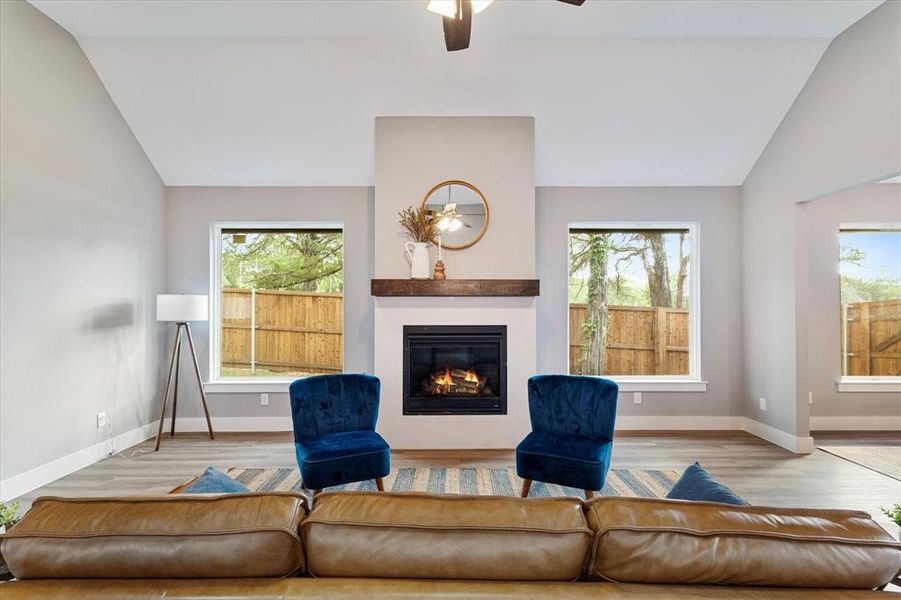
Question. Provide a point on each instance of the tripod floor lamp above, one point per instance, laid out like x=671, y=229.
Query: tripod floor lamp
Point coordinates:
x=181, y=309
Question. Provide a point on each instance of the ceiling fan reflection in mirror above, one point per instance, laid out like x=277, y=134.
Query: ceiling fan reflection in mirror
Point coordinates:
x=457, y=17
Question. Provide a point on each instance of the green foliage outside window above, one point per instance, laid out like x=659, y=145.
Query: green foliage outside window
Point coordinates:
x=870, y=266
x=303, y=261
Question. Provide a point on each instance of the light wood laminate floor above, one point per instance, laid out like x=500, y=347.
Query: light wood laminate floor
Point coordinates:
x=760, y=472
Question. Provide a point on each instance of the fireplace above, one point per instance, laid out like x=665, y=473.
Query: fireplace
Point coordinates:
x=455, y=369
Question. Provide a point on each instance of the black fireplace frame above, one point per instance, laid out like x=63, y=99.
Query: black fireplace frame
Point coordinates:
x=456, y=405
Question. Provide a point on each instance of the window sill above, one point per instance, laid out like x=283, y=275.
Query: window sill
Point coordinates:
x=269, y=386
x=869, y=384
x=660, y=385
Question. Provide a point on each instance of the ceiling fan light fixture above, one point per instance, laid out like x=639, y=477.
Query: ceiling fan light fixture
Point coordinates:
x=456, y=18
x=448, y=8
x=445, y=8
x=451, y=223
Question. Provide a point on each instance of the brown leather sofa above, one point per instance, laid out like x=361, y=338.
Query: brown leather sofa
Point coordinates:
x=378, y=545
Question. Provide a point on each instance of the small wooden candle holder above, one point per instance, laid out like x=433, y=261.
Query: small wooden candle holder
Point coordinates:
x=439, y=271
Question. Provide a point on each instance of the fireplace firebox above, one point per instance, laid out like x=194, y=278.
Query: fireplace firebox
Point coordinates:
x=455, y=369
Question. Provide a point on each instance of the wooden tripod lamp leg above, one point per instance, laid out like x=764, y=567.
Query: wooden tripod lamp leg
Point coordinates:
x=206, y=410
x=175, y=349
x=175, y=384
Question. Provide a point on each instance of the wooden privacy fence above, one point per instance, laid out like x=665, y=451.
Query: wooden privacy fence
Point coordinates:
x=871, y=338
x=282, y=330
x=640, y=340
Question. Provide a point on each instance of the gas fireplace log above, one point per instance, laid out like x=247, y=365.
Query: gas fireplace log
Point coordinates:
x=444, y=390
x=454, y=381
x=439, y=379
x=462, y=382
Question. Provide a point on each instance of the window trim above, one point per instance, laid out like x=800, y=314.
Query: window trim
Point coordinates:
x=693, y=382
x=864, y=383
x=216, y=383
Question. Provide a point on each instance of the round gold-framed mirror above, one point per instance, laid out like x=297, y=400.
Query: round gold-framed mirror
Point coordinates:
x=461, y=210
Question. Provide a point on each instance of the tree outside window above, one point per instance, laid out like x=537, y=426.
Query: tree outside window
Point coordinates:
x=629, y=294
x=281, y=303
x=870, y=276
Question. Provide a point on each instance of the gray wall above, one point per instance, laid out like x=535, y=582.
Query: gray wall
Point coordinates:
x=81, y=235
x=495, y=154
x=871, y=203
x=191, y=211
x=717, y=210
x=843, y=129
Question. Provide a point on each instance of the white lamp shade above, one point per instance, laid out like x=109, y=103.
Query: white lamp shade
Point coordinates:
x=181, y=307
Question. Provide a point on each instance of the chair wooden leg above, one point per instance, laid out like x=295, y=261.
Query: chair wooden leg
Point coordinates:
x=317, y=492
x=380, y=484
x=526, y=486
x=589, y=494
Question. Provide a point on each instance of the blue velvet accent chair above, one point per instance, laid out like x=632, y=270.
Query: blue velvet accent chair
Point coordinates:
x=572, y=432
x=334, y=430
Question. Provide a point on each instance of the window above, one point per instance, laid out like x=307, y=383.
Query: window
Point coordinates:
x=870, y=276
x=633, y=301
x=278, y=302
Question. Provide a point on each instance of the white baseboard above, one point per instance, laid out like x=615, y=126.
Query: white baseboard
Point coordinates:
x=792, y=443
x=20, y=484
x=193, y=424
x=855, y=423
x=680, y=423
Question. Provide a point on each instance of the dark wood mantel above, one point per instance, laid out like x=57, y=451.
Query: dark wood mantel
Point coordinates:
x=454, y=287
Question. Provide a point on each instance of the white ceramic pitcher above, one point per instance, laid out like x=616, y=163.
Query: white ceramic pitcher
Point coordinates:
x=418, y=255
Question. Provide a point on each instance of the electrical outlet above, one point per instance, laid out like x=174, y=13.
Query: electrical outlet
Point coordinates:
x=637, y=397
x=102, y=420
x=763, y=404
x=264, y=399
x=809, y=397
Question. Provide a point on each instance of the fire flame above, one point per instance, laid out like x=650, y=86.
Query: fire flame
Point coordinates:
x=445, y=381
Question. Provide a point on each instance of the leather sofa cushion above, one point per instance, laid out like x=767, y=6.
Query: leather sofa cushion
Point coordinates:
x=646, y=540
x=242, y=535
x=310, y=588
x=420, y=536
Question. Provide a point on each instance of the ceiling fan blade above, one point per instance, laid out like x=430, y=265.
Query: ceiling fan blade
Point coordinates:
x=457, y=31
x=574, y=2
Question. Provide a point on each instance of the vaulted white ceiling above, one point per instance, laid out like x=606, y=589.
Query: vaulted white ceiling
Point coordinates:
x=285, y=93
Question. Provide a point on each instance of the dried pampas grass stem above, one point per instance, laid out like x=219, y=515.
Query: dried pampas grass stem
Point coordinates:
x=418, y=224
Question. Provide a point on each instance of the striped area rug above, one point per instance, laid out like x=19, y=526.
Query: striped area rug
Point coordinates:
x=484, y=481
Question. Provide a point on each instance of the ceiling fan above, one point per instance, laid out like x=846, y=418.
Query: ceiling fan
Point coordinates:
x=457, y=17
x=449, y=218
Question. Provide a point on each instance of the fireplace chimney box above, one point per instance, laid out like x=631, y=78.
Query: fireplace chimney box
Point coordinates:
x=455, y=369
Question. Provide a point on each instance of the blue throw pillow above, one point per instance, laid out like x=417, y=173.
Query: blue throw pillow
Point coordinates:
x=214, y=482
x=697, y=484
